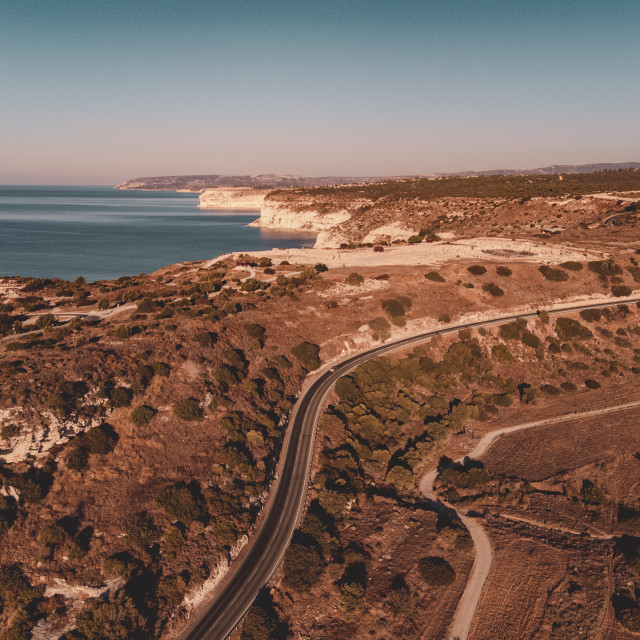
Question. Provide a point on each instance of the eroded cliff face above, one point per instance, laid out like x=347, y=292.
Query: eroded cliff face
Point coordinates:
x=235, y=198
x=276, y=215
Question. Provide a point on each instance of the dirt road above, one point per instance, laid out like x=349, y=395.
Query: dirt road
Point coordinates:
x=470, y=600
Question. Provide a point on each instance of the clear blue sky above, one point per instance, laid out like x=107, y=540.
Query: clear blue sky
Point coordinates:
x=97, y=92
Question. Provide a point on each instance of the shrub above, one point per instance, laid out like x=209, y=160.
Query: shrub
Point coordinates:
x=120, y=397
x=396, y=307
x=530, y=340
x=188, y=409
x=436, y=571
x=103, y=304
x=142, y=415
x=115, y=618
x=493, y=289
x=544, y=316
x=477, y=270
x=123, y=332
x=182, y=501
x=445, y=318
x=591, y=315
x=620, y=290
x=15, y=587
x=321, y=267
x=570, y=329
x=254, y=331
x=354, y=279
x=100, y=440
x=414, y=239
x=77, y=458
x=434, y=276
x=505, y=272
x=145, y=305
x=605, y=268
x=302, y=566
x=308, y=355
x=161, y=369
x=378, y=248
x=572, y=265
x=380, y=325
x=140, y=530
x=554, y=275
x=501, y=353
x=8, y=510
x=44, y=321
x=592, y=384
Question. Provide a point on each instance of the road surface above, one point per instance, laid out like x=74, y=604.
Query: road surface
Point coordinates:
x=263, y=554
x=470, y=600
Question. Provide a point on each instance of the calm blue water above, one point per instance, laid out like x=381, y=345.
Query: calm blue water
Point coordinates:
x=101, y=233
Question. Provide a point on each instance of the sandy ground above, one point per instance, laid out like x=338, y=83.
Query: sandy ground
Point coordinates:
x=481, y=249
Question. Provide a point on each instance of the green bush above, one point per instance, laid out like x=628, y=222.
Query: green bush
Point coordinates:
x=120, y=397
x=554, y=275
x=493, y=289
x=445, y=318
x=142, y=415
x=254, y=331
x=188, y=409
x=114, y=618
x=321, y=267
x=308, y=355
x=477, y=270
x=436, y=571
x=501, y=352
x=505, y=272
x=620, y=290
x=434, y=276
x=605, y=268
x=302, y=567
x=572, y=265
x=8, y=510
x=140, y=530
x=530, y=340
x=396, y=307
x=591, y=315
x=145, y=305
x=414, y=239
x=103, y=304
x=570, y=329
x=182, y=501
x=123, y=332
x=161, y=369
x=592, y=384
x=100, y=440
x=354, y=279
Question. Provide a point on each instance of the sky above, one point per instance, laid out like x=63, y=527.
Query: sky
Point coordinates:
x=96, y=92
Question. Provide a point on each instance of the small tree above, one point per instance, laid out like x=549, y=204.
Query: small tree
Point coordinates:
x=308, y=355
x=188, y=409
x=354, y=279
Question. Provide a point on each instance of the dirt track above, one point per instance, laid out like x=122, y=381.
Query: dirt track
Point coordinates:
x=470, y=600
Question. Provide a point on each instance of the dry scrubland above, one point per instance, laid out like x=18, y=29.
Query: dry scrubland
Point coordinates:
x=139, y=441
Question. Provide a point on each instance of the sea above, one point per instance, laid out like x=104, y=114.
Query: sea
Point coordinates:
x=101, y=233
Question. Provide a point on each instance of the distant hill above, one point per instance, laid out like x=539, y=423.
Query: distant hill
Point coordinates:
x=260, y=181
x=276, y=181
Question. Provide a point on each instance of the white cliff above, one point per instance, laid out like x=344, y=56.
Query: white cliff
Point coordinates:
x=274, y=215
x=233, y=198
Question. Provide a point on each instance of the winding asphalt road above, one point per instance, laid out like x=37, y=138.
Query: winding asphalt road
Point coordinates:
x=262, y=556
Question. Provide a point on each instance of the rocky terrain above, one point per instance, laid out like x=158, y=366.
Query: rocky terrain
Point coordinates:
x=139, y=439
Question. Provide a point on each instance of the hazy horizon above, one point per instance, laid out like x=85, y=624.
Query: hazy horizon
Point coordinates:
x=96, y=93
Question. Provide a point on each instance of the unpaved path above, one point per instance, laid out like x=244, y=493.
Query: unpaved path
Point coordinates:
x=468, y=604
